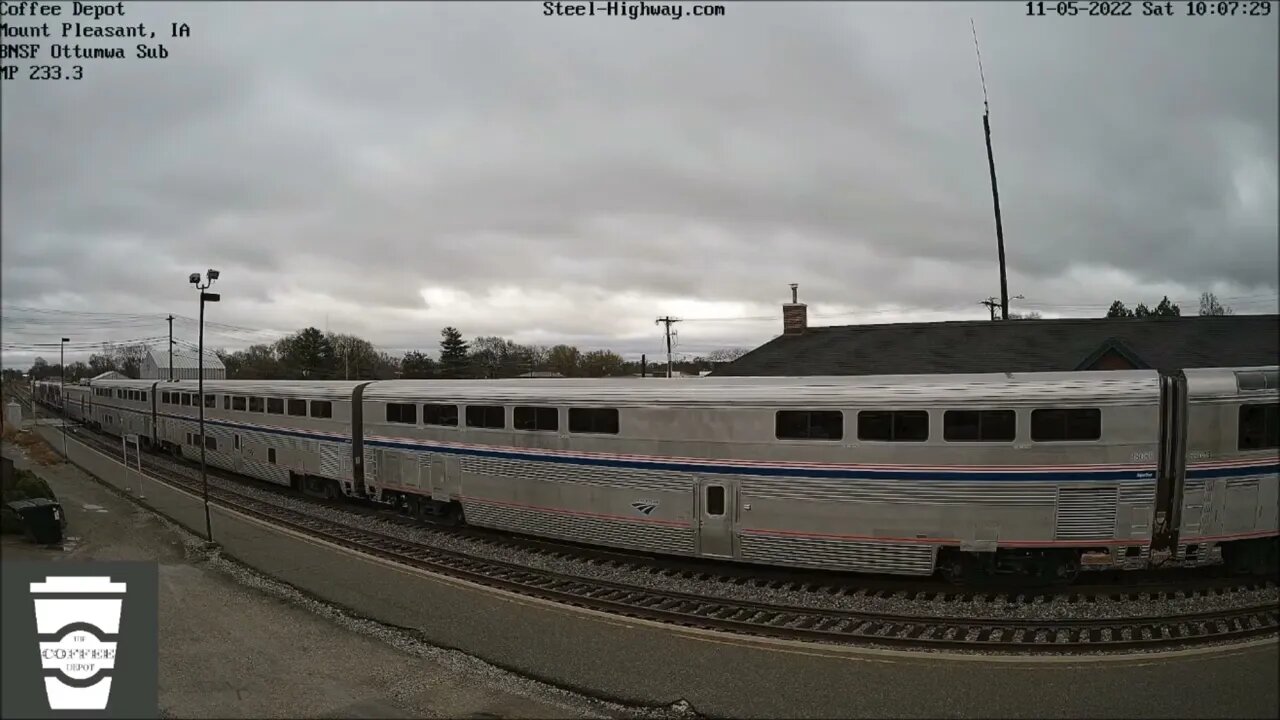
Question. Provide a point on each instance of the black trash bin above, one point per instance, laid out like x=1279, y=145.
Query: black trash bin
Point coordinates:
x=42, y=517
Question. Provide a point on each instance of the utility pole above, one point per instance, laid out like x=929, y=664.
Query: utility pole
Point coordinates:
x=644, y=366
x=991, y=305
x=170, y=348
x=995, y=191
x=667, y=321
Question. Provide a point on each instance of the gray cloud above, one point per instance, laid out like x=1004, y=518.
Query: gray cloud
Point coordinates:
x=572, y=178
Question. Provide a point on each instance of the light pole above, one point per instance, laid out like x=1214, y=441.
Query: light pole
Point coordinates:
x=205, y=297
x=62, y=388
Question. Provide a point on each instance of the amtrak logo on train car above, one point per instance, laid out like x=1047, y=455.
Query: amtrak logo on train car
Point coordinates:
x=645, y=507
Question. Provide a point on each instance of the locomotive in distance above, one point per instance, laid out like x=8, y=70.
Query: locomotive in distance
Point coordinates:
x=1035, y=473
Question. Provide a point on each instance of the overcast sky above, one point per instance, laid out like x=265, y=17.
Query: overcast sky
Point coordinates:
x=388, y=169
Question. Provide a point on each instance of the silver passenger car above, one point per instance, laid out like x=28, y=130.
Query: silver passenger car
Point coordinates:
x=1230, y=492
x=124, y=407
x=289, y=433
x=869, y=474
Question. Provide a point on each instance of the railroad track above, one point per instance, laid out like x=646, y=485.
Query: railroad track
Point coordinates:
x=1134, y=630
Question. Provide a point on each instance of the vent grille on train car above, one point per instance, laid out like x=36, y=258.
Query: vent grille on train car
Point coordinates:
x=1258, y=380
x=879, y=557
x=1086, y=513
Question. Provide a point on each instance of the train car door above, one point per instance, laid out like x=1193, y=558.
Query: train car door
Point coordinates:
x=439, y=479
x=717, y=516
x=237, y=452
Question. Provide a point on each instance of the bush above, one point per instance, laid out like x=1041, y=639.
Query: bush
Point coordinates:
x=20, y=485
x=23, y=485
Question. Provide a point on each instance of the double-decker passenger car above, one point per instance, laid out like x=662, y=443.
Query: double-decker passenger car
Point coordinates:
x=1037, y=472
x=289, y=433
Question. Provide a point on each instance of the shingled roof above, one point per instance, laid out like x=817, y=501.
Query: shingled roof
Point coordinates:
x=1016, y=346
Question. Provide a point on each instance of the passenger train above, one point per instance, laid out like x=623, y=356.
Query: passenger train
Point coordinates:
x=1036, y=473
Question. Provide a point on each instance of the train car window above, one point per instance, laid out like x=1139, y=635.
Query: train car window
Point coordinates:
x=893, y=425
x=256, y=404
x=298, y=408
x=1258, y=380
x=601, y=421
x=979, y=425
x=809, y=425
x=715, y=500
x=186, y=399
x=1066, y=424
x=164, y=398
x=406, y=413
x=210, y=401
x=144, y=397
x=236, y=442
x=226, y=402
x=446, y=415
x=271, y=455
x=1259, y=427
x=486, y=416
x=321, y=409
x=535, y=418
x=211, y=443
x=237, y=403
x=275, y=406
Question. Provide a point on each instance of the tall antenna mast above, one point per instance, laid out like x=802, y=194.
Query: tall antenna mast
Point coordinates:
x=995, y=191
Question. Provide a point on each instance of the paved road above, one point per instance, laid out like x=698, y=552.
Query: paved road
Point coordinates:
x=643, y=664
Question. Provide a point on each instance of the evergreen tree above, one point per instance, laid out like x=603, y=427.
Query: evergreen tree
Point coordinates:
x=453, y=354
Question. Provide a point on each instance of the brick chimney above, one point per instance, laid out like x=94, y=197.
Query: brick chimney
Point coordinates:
x=795, y=315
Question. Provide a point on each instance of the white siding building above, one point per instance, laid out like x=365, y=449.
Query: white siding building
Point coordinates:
x=155, y=366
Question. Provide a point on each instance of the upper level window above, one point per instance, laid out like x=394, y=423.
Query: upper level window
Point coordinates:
x=979, y=425
x=144, y=397
x=255, y=404
x=321, y=409
x=1259, y=426
x=433, y=414
x=275, y=406
x=486, y=416
x=602, y=421
x=186, y=399
x=893, y=425
x=164, y=397
x=297, y=408
x=1066, y=424
x=535, y=418
x=237, y=403
x=809, y=425
x=226, y=402
x=406, y=413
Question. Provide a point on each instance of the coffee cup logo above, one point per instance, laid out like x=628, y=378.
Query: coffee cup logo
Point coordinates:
x=78, y=623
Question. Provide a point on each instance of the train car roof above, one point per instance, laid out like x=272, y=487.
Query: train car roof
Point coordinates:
x=1099, y=387
x=322, y=389
x=123, y=383
x=1262, y=382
